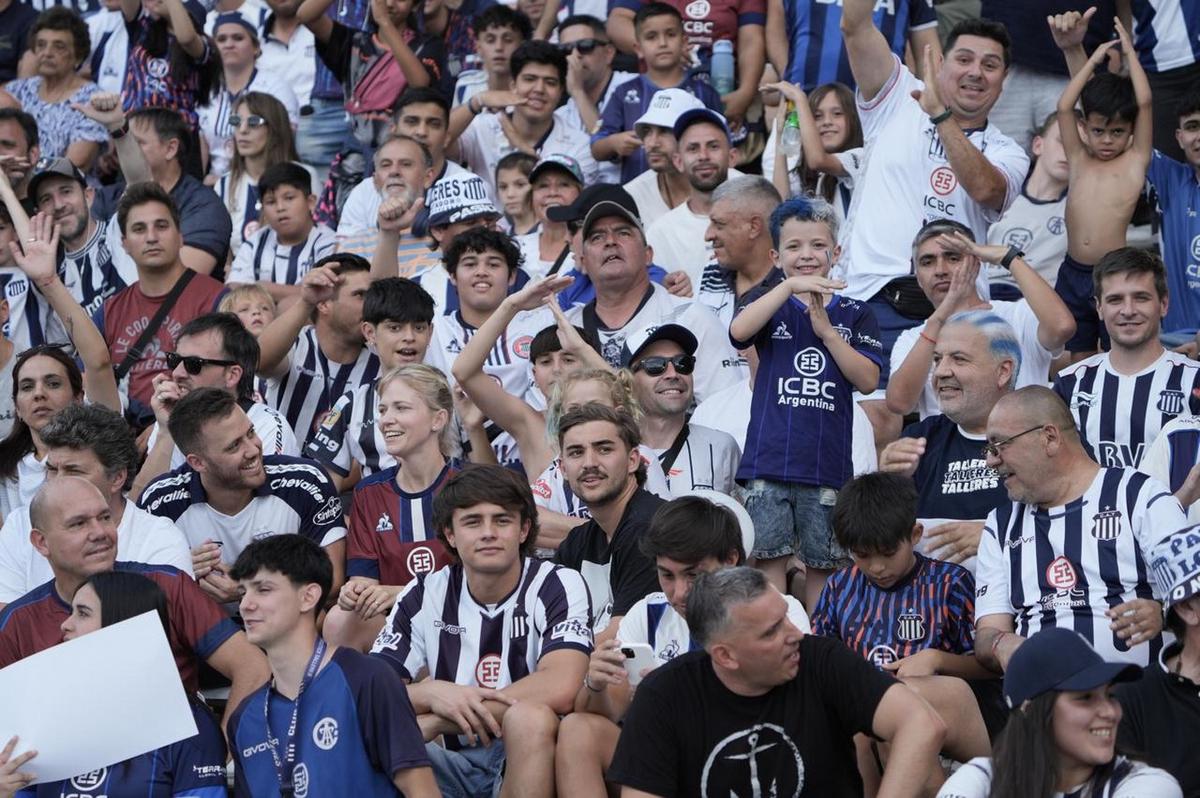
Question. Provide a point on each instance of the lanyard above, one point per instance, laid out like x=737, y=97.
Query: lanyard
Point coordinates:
x=285, y=768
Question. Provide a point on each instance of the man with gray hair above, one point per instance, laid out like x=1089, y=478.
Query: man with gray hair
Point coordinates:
x=946, y=260
x=976, y=361
x=739, y=230
x=764, y=709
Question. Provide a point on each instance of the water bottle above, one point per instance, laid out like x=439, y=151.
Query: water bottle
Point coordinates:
x=721, y=67
x=789, y=139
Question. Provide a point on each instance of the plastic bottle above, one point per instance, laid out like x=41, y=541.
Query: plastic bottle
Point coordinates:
x=721, y=67
x=789, y=139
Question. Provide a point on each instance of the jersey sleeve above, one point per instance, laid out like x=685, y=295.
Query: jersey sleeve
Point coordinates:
x=401, y=641
x=972, y=780
x=865, y=337
x=166, y=545
x=567, y=609
x=196, y=618
x=717, y=364
x=323, y=520
x=1144, y=781
x=1013, y=162
x=385, y=715
x=922, y=15
x=362, y=555
x=612, y=116
x=1156, y=518
x=1156, y=462
x=825, y=617
x=198, y=763
x=633, y=628
x=242, y=270
x=991, y=574
x=1025, y=323
x=876, y=112
x=330, y=444
x=961, y=634
x=752, y=12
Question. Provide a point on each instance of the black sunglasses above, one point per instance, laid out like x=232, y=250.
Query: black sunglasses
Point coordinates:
x=253, y=120
x=194, y=365
x=657, y=366
x=584, y=46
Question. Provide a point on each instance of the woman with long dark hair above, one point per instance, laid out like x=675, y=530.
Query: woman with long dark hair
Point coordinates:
x=1060, y=741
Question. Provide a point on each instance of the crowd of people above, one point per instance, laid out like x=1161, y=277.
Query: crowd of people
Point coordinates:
x=587, y=398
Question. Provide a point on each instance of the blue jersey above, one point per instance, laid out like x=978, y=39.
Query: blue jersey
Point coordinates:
x=953, y=479
x=817, y=54
x=1178, y=189
x=801, y=414
x=194, y=768
x=632, y=99
x=932, y=607
x=355, y=729
x=1166, y=33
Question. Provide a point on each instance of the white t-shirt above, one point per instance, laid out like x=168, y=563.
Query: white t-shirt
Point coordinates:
x=297, y=59
x=650, y=202
x=141, y=537
x=1036, y=227
x=483, y=144
x=1035, y=358
x=532, y=261
x=1128, y=780
x=270, y=425
x=361, y=211
x=907, y=180
x=678, y=242
x=18, y=491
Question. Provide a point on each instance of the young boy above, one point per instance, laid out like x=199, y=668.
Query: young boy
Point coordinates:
x=280, y=253
x=331, y=721
x=499, y=30
x=1108, y=152
x=251, y=303
x=661, y=43
x=397, y=323
x=814, y=348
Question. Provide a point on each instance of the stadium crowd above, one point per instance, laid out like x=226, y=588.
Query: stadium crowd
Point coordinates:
x=611, y=397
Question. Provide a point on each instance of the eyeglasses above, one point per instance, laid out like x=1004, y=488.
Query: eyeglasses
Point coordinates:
x=253, y=120
x=657, y=366
x=584, y=46
x=993, y=449
x=194, y=365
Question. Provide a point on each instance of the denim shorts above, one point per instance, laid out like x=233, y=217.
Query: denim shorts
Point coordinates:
x=794, y=519
x=468, y=773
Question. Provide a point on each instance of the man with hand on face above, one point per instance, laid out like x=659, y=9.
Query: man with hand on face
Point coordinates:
x=228, y=494
x=19, y=150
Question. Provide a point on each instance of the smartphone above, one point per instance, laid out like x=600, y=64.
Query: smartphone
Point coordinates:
x=638, y=657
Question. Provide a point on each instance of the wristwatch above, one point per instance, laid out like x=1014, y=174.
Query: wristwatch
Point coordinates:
x=119, y=132
x=1012, y=254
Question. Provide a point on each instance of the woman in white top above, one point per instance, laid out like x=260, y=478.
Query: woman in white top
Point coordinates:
x=1060, y=741
x=556, y=180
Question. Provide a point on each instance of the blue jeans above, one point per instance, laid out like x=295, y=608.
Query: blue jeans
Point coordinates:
x=322, y=134
x=790, y=518
x=469, y=773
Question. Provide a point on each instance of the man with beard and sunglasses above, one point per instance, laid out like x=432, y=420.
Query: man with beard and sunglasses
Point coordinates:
x=591, y=80
x=662, y=360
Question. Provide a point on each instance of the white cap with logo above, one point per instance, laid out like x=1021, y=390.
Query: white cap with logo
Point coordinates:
x=666, y=106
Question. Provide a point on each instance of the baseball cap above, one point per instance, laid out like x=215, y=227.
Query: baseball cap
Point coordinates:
x=1176, y=565
x=1059, y=659
x=54, y=167
x=638, y=340
x=745, y=523
x=695, y=115
x=665, y=107
x=458, y=198
x=596, y=202
x=235, y=18
x=555, y=160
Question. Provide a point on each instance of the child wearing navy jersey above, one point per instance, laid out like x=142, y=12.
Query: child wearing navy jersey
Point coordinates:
x=814, y=348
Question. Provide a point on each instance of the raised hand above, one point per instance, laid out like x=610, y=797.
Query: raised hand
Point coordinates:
x=536, y=293
x=105, y=108
x=38, y=255
x=812, y=284
x=319, y=285
x=957, y=242
x=1069, y=29
x=931, y=102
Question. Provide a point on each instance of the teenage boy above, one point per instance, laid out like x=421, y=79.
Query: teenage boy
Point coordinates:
x=688, y=536
x=352, y=730
x=499, y=30
x=282, y=252
x=814, y=348
x=662, y=44
x=397, y=324
x=539, y=71
x=497, y=687
x=1109, y=152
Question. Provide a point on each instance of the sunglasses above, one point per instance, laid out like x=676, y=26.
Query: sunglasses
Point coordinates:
x=584, y=46
x=253, y=120
x=194, y=365
x=657, y=366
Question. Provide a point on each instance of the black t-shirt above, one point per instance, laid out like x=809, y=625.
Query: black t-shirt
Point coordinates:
x=953, y=479
x=618, y=575
x=1032, y=44
x=687, y=734
x=1157, y=710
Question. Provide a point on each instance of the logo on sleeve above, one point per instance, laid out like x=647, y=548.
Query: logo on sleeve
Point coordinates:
x=325, y=733
x=571, y=628
x=520, y=347
x=329, y=513
x=1060, y=574
x=1106, y=525
x=542, y=488
x=384, y=524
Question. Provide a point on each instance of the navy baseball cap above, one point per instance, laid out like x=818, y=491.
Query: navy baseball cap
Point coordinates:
x=640, y=339
x=696, y=115
x=1059, y=659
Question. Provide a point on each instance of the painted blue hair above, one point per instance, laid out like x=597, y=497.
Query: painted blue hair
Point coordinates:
x=806, y=209
x=1002, y=338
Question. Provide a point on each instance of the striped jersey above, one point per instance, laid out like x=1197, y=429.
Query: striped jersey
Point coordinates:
x=437, y=627
x=931, y=607
x=707, y=459
x=1173, y=454
x=91, y=274
x=392, y=538
x=656, y=623
x=31, y=321
x=1101, y=401
x=262, y=259
x=1166, y=33
x=1066, y=566
x=348, y=434
x=312, y=383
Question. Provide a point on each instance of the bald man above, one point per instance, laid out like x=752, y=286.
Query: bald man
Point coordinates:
x=73, y=528
x=1072, y=546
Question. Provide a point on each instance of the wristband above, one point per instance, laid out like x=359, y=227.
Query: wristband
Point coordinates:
x=942, y=117
x=1012, y=254
x=588, y=684
x=119, y=132
x=932, y=341
x=472, y=107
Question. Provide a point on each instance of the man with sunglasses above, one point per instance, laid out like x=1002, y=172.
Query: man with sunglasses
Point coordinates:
x=1074, y=546
x=662, y=360
x=591, y=81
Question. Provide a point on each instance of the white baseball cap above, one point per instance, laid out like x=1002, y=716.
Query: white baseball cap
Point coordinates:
x=458, y=198
x=666, y=106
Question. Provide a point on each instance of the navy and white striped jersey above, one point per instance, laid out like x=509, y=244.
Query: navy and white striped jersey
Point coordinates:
x=312, y=383
x=31, y=322
x=91, y=274
x=262, y=259
x=1126, y=779
x=348, y=434
x=296, y=498
x=1066, y=566
x=1173, y=454
x=437, y=627
x=1120, y=415
x=1166, y=33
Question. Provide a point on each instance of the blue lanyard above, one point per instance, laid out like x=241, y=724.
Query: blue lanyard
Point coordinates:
x=286, y=768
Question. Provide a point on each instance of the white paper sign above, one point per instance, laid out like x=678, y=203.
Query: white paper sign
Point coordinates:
x=95, y=700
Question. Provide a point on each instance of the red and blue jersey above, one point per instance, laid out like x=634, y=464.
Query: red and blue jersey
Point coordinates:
x=355, y=728
x=932, y=607
x=149, y=81
x=392, y=538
